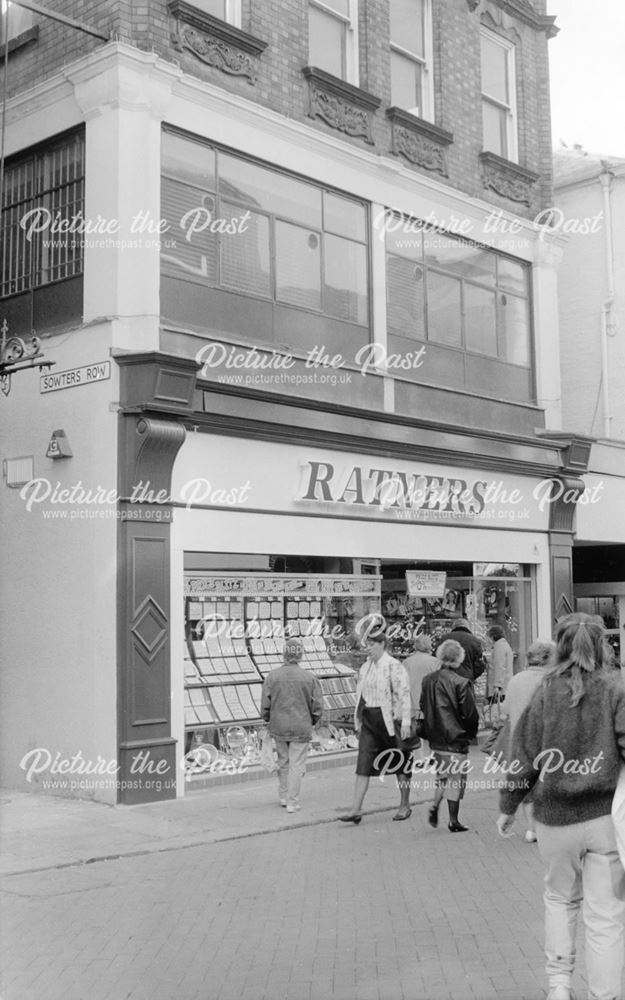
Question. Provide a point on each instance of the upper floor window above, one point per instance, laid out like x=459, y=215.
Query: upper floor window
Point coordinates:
x=246, y=228
x=411, y=57
x=43, y=204
x=225, y=10
x=499, y=116
x=19, y=20
x=468, y=304
x=333, y=37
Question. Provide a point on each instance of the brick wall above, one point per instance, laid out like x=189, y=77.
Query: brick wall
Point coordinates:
x=280, y=85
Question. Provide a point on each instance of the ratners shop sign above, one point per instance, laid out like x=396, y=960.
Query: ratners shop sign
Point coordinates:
x=426, y=495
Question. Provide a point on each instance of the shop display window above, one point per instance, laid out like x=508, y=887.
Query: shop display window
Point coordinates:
x=235, y=629
x=490, y=594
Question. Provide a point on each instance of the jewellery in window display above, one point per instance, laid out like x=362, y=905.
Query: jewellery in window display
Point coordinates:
x=236, y=741
x=391, y=605
x=491, y=598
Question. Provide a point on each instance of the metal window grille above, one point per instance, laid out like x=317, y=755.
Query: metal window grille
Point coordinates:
x=43, y=195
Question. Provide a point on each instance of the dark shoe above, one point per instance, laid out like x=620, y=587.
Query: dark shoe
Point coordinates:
x=402, y=814
x=351, y=818
x=433, y=817
x=457, y=827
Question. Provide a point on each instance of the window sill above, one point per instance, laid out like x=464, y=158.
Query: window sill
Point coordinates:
x=506, y=178
x=214, y=26
x=26, y=38
x=419, y=141
x=340, y=104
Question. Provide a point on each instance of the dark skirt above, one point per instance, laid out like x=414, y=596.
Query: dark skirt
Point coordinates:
x=373, y=739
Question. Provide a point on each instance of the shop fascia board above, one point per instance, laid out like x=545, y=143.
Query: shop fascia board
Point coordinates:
x=419, y=442
x=237, y=413
x=423, y=446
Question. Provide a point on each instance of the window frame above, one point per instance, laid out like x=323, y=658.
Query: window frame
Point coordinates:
x=350, y=56
x=232, y=12
x=510, y=109
x=273, y=217
x=498, y=288
x=26, y=15
x=425, y=63
x=39, y=261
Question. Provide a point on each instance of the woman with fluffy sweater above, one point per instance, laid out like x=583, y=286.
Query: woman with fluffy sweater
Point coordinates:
x=568, y=747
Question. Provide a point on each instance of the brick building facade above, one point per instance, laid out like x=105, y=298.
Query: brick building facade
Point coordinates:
x=312, y=271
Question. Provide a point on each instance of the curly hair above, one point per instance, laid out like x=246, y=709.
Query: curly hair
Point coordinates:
x=450, y=653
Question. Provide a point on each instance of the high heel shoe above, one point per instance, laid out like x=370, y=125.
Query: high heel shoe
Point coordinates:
x=457, y=827
x=351, y=818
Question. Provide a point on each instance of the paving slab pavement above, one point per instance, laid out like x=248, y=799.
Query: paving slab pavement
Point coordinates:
x=41, y=831
x=324, y=911
x=223, y=896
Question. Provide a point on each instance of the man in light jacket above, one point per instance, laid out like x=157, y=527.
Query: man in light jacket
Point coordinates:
x=292, y=704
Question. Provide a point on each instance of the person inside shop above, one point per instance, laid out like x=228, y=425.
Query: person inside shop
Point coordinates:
x=474, y=663
x=450, y=721
x=500, y=667
x=292, y=703
x=575, y=718
x=382, y=708
x=417, y=666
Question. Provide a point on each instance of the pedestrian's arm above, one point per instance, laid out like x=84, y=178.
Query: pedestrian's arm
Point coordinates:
x=498, y=665
x=401, y=687
x=479, y=664
x=468, y=709
x=521, y=772
x=619, y=720
x=265, y=703
x=316, y=705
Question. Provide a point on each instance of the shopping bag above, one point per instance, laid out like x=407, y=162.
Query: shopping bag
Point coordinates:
x=267, y=757
x=495, y=710
x=497, y=743
x=618, y=814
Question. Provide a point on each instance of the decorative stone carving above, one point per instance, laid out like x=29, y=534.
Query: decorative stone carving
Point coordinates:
x=421, y=142
x=506, y=178
x=339, y=114
x=215, y=53
x=419, y=150
x=215, y=42
x=339, y=104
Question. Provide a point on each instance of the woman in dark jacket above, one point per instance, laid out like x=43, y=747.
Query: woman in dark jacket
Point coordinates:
x=450, y=721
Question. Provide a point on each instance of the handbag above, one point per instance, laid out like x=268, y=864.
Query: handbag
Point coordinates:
x=267, y=759
x=416, y=732
x=618, y=814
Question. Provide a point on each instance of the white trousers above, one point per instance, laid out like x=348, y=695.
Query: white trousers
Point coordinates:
x=584, y=872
